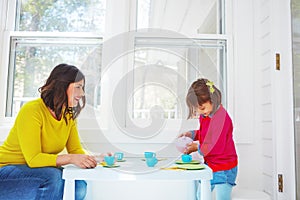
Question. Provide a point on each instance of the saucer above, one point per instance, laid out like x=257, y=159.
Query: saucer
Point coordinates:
x=112, y=166
x=191, y=166
x=192, y=162
x=103, y=164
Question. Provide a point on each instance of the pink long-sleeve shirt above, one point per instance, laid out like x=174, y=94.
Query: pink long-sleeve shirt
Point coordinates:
x=216, y=142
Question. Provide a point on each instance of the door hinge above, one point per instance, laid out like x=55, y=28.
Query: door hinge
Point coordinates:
x=277, y=61
x=280, y=183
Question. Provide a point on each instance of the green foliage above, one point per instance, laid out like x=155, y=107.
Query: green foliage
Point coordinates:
x=61, y=15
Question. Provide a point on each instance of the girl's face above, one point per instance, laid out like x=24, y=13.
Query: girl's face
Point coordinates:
x=75, y=92
x=205, y=109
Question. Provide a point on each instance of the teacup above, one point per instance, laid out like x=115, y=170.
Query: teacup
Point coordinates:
x=110, y=160
x=151, y=162
x=149, y=154
x=186, y=158
x=119, y=156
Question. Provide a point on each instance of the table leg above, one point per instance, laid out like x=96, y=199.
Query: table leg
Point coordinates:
x=205, y=190
x=69, y=190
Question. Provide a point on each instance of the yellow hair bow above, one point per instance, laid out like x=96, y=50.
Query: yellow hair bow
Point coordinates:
x=210, y=84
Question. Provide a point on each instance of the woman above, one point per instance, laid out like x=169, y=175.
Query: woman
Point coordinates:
x=30, y=159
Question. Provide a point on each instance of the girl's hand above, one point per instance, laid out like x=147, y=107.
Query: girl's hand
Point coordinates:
x=192, y=147
x=186, y=134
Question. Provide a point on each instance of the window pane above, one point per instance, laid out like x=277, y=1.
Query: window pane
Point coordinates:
x=185, y=17
x=61, y=15
x=33, y=59
x=165, y=68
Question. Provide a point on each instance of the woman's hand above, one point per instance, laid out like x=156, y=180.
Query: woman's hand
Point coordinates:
x=80, y=160
x=84, y=161
x=192, y=147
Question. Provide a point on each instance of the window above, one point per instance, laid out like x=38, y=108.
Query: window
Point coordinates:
x=176, y=42
x=61, y=16
x=30, y=64
x=165, y=68
x=47, y=33
x=185, y=17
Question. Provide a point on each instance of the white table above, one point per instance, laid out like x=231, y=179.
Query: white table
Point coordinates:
x=135, y=169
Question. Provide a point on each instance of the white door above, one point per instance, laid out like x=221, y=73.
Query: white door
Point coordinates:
x=282, y=99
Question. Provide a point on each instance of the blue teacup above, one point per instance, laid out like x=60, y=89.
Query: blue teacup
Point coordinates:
x=110, y=160
x=119, y=155
x=149, y=154
x=151, y=162
x=186, y=158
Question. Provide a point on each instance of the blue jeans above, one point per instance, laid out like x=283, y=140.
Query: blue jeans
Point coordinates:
x=45, y=183
x=222, y=183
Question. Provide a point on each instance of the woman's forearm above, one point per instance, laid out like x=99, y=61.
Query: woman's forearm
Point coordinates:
x=63, y=159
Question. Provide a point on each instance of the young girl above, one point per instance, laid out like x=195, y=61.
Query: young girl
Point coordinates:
x=216, y=144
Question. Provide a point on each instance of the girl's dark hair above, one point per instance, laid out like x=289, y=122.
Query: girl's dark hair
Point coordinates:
x=200, y=92
x=54, y=91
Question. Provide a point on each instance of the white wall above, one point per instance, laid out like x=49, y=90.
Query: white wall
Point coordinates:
x=249, y=144
x=264, y=66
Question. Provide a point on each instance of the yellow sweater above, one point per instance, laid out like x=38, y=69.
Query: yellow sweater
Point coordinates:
x=37, y=137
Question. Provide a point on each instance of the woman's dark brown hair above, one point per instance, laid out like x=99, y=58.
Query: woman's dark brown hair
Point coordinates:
x=200, y=92
x=54, y=91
